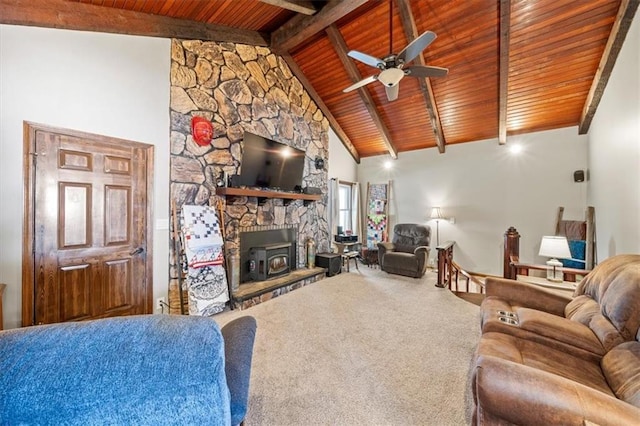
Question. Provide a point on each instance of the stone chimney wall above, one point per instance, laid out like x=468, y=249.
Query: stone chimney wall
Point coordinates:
x=239, y=87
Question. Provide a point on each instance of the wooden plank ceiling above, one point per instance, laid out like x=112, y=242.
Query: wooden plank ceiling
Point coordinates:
x=515, y=66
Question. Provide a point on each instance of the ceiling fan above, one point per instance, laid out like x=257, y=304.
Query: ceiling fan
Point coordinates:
x=392, y=67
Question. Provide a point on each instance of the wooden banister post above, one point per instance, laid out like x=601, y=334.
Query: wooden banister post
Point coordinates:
x=511, y=248
x=445, y=260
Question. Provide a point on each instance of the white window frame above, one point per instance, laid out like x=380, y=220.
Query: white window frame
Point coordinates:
x=348, y=209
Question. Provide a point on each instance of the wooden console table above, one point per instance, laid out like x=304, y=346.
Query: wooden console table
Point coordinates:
x=263, y=195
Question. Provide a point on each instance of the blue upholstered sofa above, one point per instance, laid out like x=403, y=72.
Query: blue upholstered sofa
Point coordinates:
x=153, y=369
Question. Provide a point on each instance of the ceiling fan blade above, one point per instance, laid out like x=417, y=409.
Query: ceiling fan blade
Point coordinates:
x=414, y=48
x=428, y=71
x=392, y=92
x=361, y=83
x=366, y=59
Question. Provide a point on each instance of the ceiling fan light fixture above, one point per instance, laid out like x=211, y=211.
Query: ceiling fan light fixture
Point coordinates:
x=391, y=77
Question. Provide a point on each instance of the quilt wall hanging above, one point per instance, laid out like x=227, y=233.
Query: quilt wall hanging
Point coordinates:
x=204, y=249
x=377, y=213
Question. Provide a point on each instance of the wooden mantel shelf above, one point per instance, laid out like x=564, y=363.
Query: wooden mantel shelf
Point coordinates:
x=264, y=194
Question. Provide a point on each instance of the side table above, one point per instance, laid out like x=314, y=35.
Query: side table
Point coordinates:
x=370, y=257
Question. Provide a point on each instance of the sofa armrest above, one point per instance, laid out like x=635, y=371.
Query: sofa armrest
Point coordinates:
x=382, y=249
x=507, y=392
x=527, y=295
x=420, y=250
x=386, y=246
x=239, y=336
x=422, y=254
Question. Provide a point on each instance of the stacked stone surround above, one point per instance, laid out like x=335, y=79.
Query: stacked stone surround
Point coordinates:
x=242, y=88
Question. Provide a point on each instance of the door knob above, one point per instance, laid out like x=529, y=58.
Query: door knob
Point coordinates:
x=136, y=251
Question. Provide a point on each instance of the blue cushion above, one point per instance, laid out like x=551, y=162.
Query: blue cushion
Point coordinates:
x=578, y=250
x=153, y=369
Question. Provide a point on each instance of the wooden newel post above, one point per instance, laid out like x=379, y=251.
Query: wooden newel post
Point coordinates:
x=511, y=248
x=445, y=264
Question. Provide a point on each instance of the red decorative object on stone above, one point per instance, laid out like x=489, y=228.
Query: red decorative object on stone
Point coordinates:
x=201, y=131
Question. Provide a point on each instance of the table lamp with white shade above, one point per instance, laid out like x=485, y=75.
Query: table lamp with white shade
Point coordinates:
x=555, y=247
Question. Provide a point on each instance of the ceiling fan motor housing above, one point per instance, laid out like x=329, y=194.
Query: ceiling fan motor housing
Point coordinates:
x=392, y=61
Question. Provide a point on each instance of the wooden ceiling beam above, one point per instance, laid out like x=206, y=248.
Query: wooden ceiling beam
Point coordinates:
x=295, y=69
x=86, y=17
x=503, y=84
x=299, y=6
x=411, y=32
x=342, y=50
x=300, y=27
x=618, y=33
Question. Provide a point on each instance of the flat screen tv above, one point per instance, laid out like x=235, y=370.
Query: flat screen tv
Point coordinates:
x=270, y=164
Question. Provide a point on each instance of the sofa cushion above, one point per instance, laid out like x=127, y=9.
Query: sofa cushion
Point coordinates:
x=581, y=309
x=542, y=357
x=621, y=367
x=597, y=281
x=586, y=311
x=148, y=369
x=401, y=260
x=621, y=301
x=615, y=285
x=509, y=393
x=407, y=236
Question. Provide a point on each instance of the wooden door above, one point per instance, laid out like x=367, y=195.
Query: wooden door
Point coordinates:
x=91, y=215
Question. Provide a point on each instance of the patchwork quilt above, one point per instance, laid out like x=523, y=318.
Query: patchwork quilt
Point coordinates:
x=204, y=249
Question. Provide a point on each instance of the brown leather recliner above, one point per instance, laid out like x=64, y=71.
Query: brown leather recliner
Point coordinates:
x=408, y=252
x=561, y=360
x=603, y=312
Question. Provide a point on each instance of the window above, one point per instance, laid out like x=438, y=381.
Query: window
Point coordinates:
x=346, y=209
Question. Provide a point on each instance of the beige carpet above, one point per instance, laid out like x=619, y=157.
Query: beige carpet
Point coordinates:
x=362, y=348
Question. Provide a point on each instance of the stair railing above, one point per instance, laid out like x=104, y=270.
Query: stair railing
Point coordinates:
x=450, y=273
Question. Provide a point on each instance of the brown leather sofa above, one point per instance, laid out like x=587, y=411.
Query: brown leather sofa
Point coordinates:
x=544, y=358
x=408, y=251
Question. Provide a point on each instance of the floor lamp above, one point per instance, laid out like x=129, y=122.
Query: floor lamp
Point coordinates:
x=437, y=216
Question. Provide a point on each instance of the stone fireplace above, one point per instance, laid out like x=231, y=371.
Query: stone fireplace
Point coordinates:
x=244, y=88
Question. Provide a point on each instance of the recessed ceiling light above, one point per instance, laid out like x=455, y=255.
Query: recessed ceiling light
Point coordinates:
x=388, y=164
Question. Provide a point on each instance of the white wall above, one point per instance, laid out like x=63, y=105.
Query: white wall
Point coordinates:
x=486, y=189
x=99, y=83
x=614, y=155
x=342, y=166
